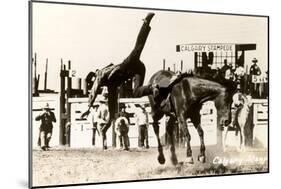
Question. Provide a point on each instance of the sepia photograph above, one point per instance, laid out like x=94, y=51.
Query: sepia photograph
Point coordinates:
x=122, y=94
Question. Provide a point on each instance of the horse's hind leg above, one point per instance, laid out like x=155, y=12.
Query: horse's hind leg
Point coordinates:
x=161, y=158
x=170, y=131
x=195, y=118
x=183, y=125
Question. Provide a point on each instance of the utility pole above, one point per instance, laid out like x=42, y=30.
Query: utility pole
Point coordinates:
x=46, y=73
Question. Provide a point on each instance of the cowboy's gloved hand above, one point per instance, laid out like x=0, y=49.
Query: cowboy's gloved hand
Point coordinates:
x=148, y=18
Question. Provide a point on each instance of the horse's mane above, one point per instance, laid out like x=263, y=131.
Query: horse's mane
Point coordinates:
x=230, y=85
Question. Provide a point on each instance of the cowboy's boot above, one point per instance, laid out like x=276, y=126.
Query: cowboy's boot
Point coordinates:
x=148, y=18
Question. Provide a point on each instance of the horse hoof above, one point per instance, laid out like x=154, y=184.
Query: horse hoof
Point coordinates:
x=189, y=160
x=174, y=160
x=202, y=159
x=161, y=159
x=105, y=148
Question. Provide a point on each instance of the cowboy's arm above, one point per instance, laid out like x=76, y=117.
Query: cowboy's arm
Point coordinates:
x=94, y=91
x=93, y=95
x=53, y=117
x=37, y=118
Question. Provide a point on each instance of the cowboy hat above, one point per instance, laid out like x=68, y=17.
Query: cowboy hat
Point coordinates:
x=46, y=107
x=254, y=60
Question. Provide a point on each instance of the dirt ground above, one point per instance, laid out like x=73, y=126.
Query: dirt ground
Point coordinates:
x=68, y=166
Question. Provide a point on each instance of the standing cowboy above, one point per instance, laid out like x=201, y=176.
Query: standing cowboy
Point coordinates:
x=224, y=68
x=102, y=114
x=254, y=71
x=46, y=127
x=122, y=129
x=142, y=123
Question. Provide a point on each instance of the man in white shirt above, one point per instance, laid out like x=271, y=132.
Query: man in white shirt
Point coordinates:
x=142, y=123
x=103, y=116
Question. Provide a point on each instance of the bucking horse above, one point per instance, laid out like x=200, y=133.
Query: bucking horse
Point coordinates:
x=184, y=101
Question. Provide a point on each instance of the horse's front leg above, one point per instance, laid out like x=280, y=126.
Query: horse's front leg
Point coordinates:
x=183, y=125
x=161, y=158
x=170, y=131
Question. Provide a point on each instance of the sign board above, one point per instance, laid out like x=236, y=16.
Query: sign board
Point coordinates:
x=197, y=47
x=72, y=73
x=259, y=79
x=260, y=132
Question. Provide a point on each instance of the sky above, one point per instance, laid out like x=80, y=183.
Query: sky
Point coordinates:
x=93, y=37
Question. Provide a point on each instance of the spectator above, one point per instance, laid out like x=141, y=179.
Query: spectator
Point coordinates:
x=142, y=123
x=254, y=72
x=123, y=112
x=255, y=69
x=229, y=74
x=224, y=68
x=121, y=130
x=102, y=114
x=46, y=127
x=239, y=75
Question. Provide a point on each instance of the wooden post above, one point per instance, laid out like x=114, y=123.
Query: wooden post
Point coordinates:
x=35, y=65
x=85, y=88
x=113, y=121
x=62, y=104
x=181, y=65
x=68, y=95
x=195, y=61
x=164, y=62
x=46, y=71
x=79, y=83
x=36, y=78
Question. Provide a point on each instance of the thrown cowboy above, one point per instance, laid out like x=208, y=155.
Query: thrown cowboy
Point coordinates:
x=131, y=67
